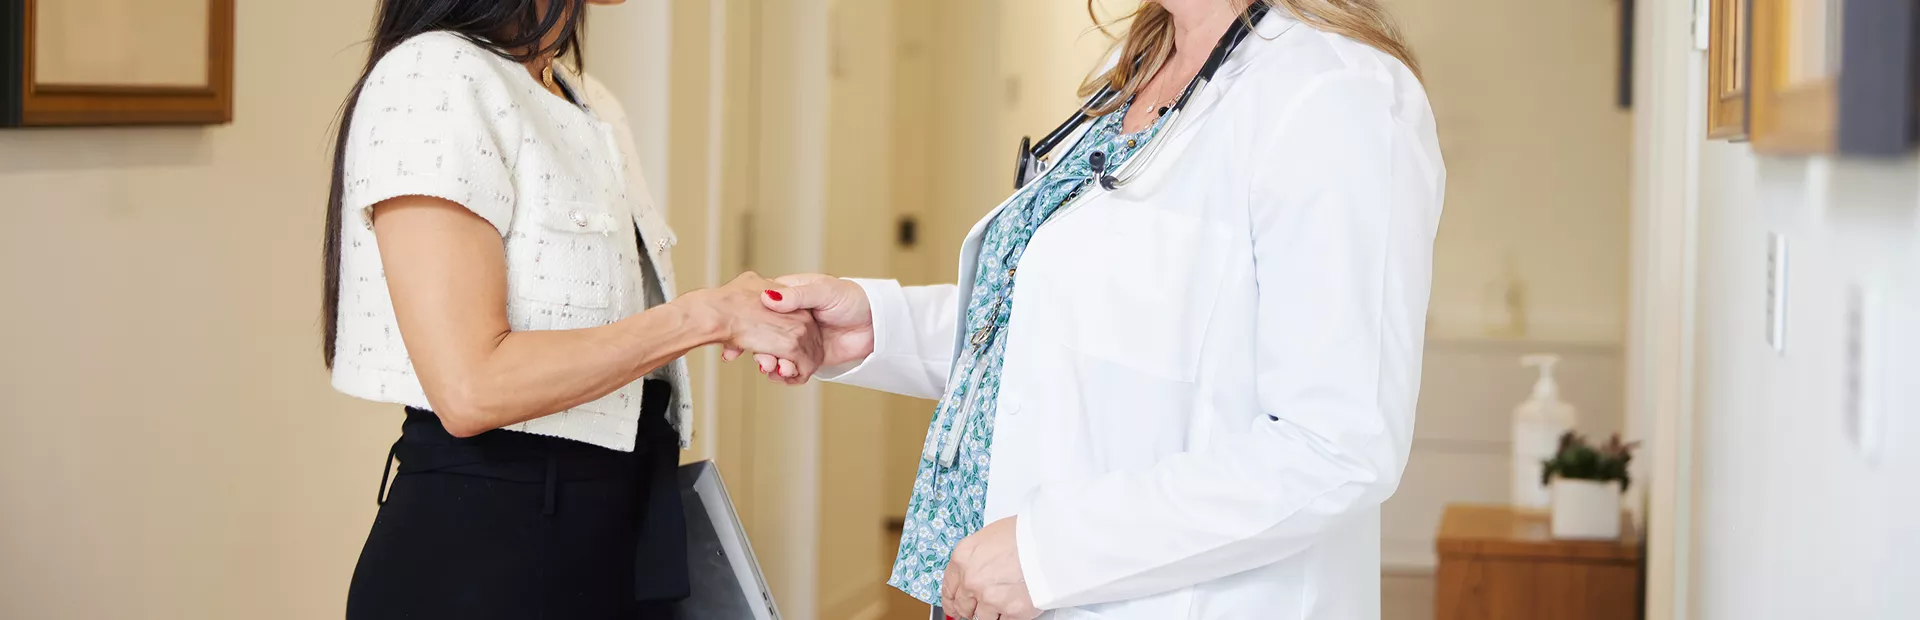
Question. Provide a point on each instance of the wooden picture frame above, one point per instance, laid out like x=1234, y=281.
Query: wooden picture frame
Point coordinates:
x=1832, y=76
x=116, y=62
x=1727, y=70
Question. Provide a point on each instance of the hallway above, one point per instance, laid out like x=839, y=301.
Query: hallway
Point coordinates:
x=1750, y=315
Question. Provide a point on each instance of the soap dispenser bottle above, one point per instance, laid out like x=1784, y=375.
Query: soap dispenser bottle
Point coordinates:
x=1537, y=426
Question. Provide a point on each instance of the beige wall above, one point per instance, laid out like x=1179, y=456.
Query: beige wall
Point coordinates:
x=1537, y=208
x=172, y=448
x=1462, y=444
x=1537, y=154
x=858, y=239
x=1537, y=167
x=1046, y=51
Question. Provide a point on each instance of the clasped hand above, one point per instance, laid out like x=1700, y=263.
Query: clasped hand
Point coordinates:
x=984, y=580
x=837, y=307
x=794, y=325
x=736, y=318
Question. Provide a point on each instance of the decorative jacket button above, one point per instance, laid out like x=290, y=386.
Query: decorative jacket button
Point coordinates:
x=579, y=219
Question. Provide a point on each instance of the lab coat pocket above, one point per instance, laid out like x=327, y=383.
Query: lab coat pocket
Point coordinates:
x=1133, y=284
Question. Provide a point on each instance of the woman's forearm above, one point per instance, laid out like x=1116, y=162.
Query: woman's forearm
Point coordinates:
x=531, y=374
x=446, y=273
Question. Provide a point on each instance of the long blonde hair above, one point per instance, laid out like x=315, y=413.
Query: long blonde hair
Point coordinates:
x=1148, y=43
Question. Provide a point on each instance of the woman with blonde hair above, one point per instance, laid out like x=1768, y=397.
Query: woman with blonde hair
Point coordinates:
x=1201, y=386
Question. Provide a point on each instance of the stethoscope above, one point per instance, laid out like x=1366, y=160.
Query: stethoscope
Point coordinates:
x=948, y=449
x=1027, y=167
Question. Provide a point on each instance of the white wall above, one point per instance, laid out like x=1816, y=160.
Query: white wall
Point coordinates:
x=172, y=449
x=1794, y=521
x=1765, y=505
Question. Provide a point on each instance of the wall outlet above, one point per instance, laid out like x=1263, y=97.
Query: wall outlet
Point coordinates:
x=1777, y=293
x=1862, y=378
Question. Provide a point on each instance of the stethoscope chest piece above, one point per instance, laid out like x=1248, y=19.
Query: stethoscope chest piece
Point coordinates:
x=1026, y=165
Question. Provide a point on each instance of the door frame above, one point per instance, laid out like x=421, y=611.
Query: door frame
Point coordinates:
x=1661, y=342
x=744, y=184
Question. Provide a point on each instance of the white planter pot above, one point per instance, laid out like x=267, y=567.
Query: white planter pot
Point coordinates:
x=1586, y=509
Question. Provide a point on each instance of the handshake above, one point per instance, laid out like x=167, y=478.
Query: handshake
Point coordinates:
x=793, y=325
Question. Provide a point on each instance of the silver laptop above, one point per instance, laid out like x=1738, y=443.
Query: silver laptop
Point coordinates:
x=727, y=582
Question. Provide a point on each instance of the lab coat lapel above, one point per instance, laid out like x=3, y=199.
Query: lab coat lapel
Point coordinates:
x=969, y=263
x=970, y=248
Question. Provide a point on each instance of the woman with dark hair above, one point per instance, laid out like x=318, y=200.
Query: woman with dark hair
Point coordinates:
x=494, y=263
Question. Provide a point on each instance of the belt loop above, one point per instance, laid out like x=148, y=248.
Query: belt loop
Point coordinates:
x=553, y=480
x=386, y=469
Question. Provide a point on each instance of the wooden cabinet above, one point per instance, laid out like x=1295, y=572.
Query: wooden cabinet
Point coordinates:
x=1500, y=563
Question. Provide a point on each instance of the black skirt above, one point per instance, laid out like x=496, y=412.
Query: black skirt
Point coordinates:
x=516, y=526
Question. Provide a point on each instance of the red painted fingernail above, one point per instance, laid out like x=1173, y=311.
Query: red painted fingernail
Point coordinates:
x=774, y=295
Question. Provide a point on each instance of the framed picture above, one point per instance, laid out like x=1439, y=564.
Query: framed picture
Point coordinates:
x=1832, y=76
x=115, y=62
x=1727, y=65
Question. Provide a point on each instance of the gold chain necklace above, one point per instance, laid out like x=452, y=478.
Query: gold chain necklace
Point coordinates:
x=1165, y=104
x=1161, y=107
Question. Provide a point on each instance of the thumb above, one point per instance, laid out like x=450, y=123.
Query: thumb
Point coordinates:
x=803, y=297
x=802, y=279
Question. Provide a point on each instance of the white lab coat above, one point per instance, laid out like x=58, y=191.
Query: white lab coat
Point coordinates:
x=1211, y=372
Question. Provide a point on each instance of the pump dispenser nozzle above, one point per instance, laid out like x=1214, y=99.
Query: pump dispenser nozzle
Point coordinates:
x=1545, y=388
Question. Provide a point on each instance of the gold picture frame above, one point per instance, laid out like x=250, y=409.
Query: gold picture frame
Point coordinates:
x=116, y=62
x=1832, y=76
x=1795, y=76
x=1727, y=67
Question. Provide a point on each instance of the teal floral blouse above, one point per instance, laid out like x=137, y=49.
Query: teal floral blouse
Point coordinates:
x=950, y=489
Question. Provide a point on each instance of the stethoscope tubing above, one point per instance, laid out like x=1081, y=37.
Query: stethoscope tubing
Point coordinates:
x=1031, y=152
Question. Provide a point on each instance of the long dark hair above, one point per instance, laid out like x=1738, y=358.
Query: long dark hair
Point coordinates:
x=514, y=29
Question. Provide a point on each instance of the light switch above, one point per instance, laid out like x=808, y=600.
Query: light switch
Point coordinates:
x=1863, y=380
x=1777, y=293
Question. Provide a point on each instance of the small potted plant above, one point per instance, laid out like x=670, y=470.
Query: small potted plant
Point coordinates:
x=1586, y=483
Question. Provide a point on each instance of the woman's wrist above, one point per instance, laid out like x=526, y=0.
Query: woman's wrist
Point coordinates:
x=700, y=321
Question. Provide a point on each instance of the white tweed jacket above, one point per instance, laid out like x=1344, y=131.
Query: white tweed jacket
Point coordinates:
x=585, y=243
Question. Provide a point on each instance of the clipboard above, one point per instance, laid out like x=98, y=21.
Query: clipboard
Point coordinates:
x=726, y=580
